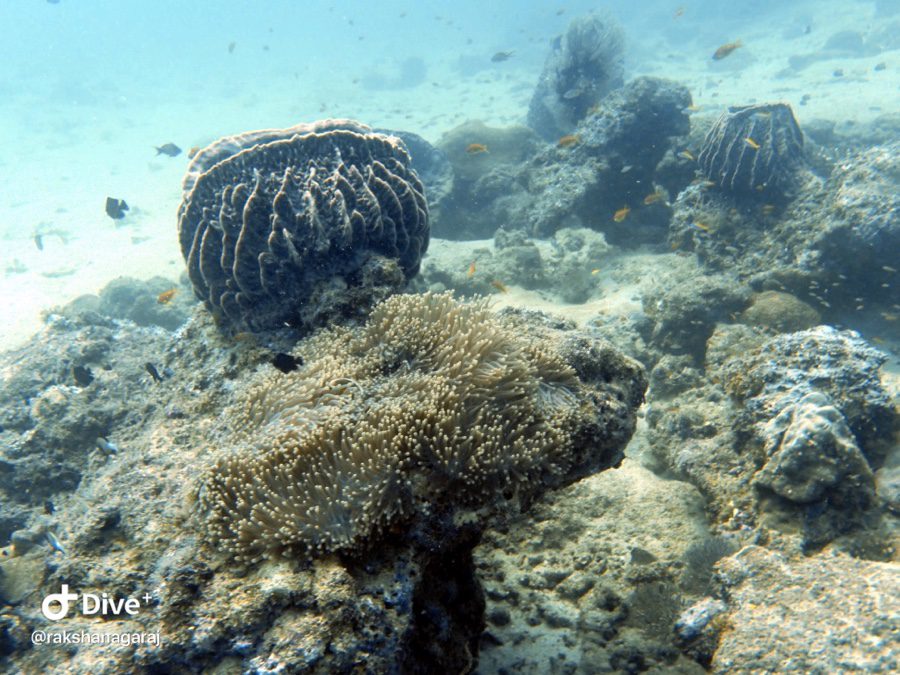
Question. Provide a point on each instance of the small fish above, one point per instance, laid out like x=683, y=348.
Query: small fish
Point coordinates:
x=116, y=208
x=166, y=296
x=154, y=373
x=621, y=214
x=286, y=363
x=888, y=268
x=49, y=508
x=753, y=144
x=476, y=148
x=107, y=446
x=39, y=241
x=54, y=542
x=574, y=92
x=679, y=12
x=568, y=141
x=701, y=226
x=726, y=49
x=768, y=209
x=691, y=109
x=471, y=272
x=231, y=46
x=83, y=375
x=193, y=151
x=595, y=271
x=500, y=286
x=686, y=154
x=654, y=197
x=169, y=149
x=499, y=57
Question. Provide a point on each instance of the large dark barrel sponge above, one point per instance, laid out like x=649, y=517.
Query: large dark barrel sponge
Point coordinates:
x=277, y=225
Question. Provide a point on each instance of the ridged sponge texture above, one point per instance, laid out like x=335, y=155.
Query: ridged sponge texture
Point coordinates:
x=279, y=225
x=434, y=406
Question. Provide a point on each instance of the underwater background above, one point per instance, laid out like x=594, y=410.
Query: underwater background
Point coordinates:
x=689, y=463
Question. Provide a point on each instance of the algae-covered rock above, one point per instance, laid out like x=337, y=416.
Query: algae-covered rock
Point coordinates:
x=781, y=312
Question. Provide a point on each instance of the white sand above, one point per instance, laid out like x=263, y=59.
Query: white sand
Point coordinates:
x=60, y=160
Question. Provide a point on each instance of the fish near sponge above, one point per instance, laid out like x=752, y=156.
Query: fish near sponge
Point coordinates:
x=753, y=150
x=434, y=409
x=293, y=227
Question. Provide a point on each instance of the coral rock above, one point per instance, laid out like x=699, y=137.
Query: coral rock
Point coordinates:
x=287, y=226
x=753, y=150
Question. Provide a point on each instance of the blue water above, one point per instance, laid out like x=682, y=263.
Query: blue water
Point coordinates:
x=88, y=88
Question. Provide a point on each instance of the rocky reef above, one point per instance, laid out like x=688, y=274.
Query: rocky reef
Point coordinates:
x=391, y=581
x=296, y=226
x=619, y=156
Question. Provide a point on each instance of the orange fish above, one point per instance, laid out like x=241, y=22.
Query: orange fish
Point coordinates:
x=568, y=141
x=476, y=148
x=654, y=197
x=500, y=286
x=726, y=49
x=621, y=214
x=164, y=297
x=471, y=272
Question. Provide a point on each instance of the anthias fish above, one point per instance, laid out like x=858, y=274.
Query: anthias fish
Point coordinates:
x=476, y=148
x=726, y=49
x=621, y=214
x=500, y=286
x=568, y=141
x=166, y=296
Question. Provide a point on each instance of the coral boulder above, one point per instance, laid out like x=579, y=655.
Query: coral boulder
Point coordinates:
x=295, y=226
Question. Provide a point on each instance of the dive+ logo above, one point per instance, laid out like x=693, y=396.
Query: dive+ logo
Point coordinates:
x=55, y=606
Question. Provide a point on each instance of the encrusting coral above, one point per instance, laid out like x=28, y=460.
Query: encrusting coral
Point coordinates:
x=432, y=404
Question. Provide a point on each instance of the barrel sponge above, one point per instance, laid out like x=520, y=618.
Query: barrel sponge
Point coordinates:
x=753, y=150
x=432, y=405
x=290, y=226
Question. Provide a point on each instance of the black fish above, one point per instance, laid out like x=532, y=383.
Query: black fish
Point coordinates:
x=83, y=375
x=169, y=149
x=154, y=373
x=501, y=56
x=49, y=508
x=116, y=208
x=286, y=363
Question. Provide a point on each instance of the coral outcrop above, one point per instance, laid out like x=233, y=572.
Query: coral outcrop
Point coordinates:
x=432, y=407
x=294, y=226
x=584, y=65
x=753, y=150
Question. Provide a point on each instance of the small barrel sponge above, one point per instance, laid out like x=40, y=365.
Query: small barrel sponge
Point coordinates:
x=753, y=150
x=433, y=406
x=285, y=226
